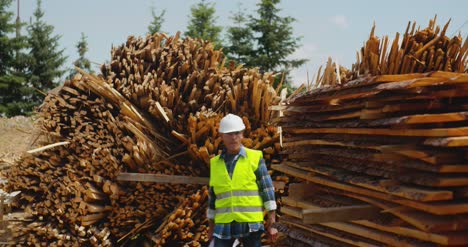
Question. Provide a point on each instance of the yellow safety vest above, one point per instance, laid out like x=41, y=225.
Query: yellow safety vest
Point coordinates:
x=237, y=199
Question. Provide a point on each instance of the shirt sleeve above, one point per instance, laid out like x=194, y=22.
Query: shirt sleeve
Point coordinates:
x=265, y=185
x=210, y=214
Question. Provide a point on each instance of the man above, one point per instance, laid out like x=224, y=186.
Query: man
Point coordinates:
x=240, y=190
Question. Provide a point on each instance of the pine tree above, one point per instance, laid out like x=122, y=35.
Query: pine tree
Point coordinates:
x=202, y=23
x=275, y=40
x=46, y=58
x=83, y=62
x=157, y=22
x=240, y=43
x=13, y=62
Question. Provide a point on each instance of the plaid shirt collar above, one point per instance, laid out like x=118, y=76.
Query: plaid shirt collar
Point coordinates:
x=242, y=152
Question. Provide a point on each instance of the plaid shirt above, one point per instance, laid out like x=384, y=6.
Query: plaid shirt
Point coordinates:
x=267, y=192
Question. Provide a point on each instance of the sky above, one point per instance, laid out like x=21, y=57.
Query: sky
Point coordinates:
x=335, y=29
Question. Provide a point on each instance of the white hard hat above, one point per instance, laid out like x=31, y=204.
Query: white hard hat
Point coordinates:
x=231, y=123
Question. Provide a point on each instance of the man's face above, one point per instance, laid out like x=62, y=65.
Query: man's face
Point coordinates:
x=232, y=141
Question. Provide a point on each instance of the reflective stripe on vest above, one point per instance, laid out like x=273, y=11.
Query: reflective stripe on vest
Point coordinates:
x=239, y=209
x=237, y=198
x=237, y=193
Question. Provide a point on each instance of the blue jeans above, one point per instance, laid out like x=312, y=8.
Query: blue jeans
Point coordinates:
x=254, y=239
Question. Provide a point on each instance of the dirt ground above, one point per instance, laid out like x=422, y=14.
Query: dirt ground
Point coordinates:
x=17, y=135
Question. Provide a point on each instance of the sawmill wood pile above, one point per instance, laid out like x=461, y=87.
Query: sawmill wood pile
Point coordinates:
x=419, y=51
x=382, y=158
x=154, y=109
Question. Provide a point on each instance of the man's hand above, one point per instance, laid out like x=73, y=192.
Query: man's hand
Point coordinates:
x=271, y=231
x=271, y=219
x=211, y=226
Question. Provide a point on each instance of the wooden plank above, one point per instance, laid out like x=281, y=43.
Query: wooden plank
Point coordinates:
x=317, y=232
x=365, y=82
x=413, y=83
x=420, y=118
x=291, y=211
x=368, y=89
x=315, y=236
x=446, y=238
x=399, y=106
x=421, y=220
x=382, y=237
x=385, y=238
x=40, y=149
x=349, y=115
x=459, y=141
x=366, y=139
x=339, y=214
x=401, y=190
x=431, y=156
x=322, y=117
x=455, y=168
x=377, y=108
x=438, y=132
x=411, y=151
x=279, y=185
x=439, y=208
x=381, y=165
x=455, y=92
x=311, y=142
x=423, y=82
x=300, y=190
x=298, y=108
x=396, y=77
x=160, y=178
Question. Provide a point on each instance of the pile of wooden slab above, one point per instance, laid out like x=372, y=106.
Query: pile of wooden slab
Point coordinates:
x=383, y=160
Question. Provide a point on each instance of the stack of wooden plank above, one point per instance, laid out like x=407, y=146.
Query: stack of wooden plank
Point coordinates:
x=382, y=158
x=396, y=142
x=154, y=109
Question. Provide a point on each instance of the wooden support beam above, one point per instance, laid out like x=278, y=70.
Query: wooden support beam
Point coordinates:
x=160, y=178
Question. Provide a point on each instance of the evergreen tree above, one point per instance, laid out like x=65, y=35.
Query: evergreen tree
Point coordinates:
x=157, y=22
x=275, y=40
x=202, y=23
x=82, y=62
x=46, y=58
x=240, y=43
x=13, y=62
